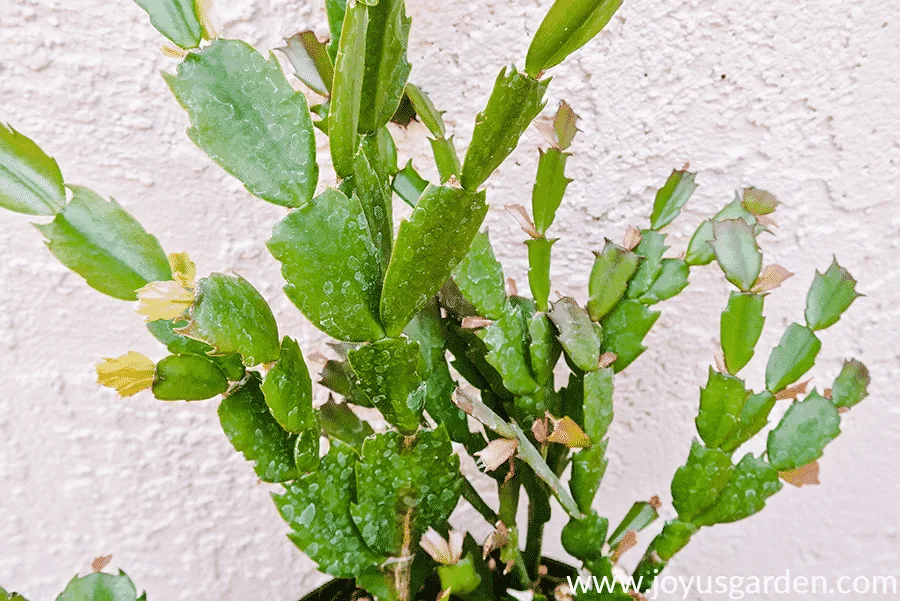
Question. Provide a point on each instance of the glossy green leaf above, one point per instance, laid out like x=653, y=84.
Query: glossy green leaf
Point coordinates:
x=317, y=508
x=309, y=58
x=373, y=189
x=670, y=281
x=430, y=244
x=671, y=198
x=624, y=329
x=30, y=181
x=583, y=539
x=230, y=315
x=734, y=244
x=539, y=270
x=803, y=432
x=794, y=356
x=578, y=335
x=313, y=244
x=507, y=343
x=549, y=187
x=543, y=348
x=700, y=251
x=445, y=158
x=98, y=587
x=588, y=468
x=335, y=10
x=164, y=331
x=188, y=378
x=568, y=25
x=346, y=91
x=754, y=417
x=409, y=185
x=740, y=328
x=598, y=403
x=641, y=515
x=253, y=431
x=381, y=152
x=851, y=385
x=427, y=112
x=386, y=67
x=752, y=482
x=101, y=242
x=340, y=423
x=288, y=391
x=651, y=249
x=388, y=374
x=613, y=269
x=514, y=103
x=479, y=277
x=721, y=403
x=829, y=296
x=178, y=20
x=697, y=484
x=405, y=482
x=248, y=119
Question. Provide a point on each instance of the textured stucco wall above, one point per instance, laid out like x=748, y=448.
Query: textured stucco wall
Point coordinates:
x=796, y=97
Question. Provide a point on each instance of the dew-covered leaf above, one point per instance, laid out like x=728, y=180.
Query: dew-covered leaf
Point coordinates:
x=651, y=249
x=248, y=119
x=30, y=181
x=568, y=25
x=479, y=277
x=386, y=67
x=670, y=281
x=754, y=417
x=346, y=90
x=851, y=385
x=230, y=315
x=624, y=329
x=736, y=250
x=539, y=270
x=752, y=482
x=508, y=352
x=514, y=103
x=794, y=356
x=829, y=296
x=404, y=483
x=101, y=242
x=671, y=198
x=288, y=391
x=309, y=58
x=177, y=344
x=543, y=348
x=721, y=403
x=178, y=20
x=696, y=485
x=804, y=430
x=578, y=335
x=388, y=374
x=613, y=269
x=373, y=189
x=330, y=264
x=740, y=328
x=96, y=587
x=430, y=244
x=549, y=187
x=340, y=423
x=188, y=378
x=253, y=431
x=409, y=185
x=317, y=508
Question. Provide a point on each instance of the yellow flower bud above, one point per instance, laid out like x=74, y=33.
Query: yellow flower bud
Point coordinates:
x=163, y=300
x=127, y=374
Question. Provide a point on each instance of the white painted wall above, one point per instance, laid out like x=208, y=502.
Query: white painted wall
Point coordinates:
x=796, y=97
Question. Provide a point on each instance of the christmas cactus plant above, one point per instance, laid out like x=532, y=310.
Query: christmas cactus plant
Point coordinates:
x=427, y=330
x=96, y=586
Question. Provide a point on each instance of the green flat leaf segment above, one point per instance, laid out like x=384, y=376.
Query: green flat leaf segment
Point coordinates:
x=539, y=250
x=670, y=281
x=641, y=515
x=230, y=315
x=752, y=482
x=479, y=276
x=30, y=181
x=331, y=266
x=721, y=403
x=851, y=385
x=549, y=188
x=97, y=587
x=427, y=112
x=543, y=349
x=340, y=423
x=671, y=198
x=288, y=390
x=346, y=91
x=514, y=103
x=101, y=242
x=578, y=335
x=253, y=431
x=309, y=58
x=588, y=467
x=248, y=119
x=409, y=185
x=740, y=328
x=794, y=356
x=386, y=66
x=430, y=244
x=598, y=403
x=829, y=296
x=697, y=484
x=651, y=249
x=335, y=11
x=317, y=507
x=754, y=417
x=624, y=329
x=178, y=20
x=188, y=378
x=373, y=189
x=405, y=482
x=569, y=25
x=164, y=331
x=508, y=352
x=803, y=432
x=613, y=268
x=700, y=251
x=388, y=374
x=734, y=244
